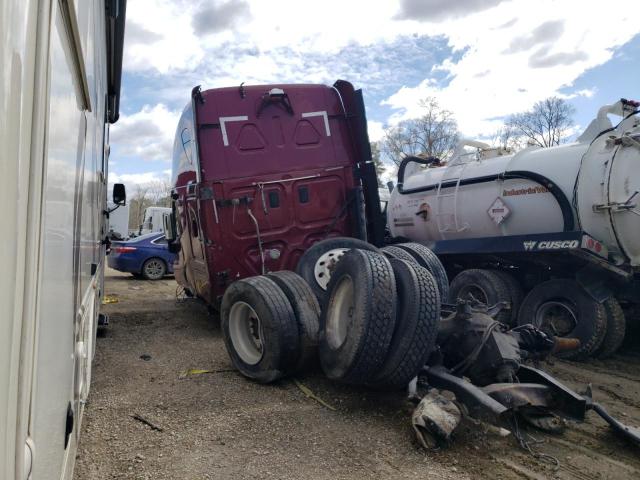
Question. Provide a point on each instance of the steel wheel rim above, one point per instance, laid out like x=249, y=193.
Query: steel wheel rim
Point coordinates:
x=476, y=291
x=245, y=331
x=325, y=265
x=557, y=317
x=154, y=268
x=341, y=311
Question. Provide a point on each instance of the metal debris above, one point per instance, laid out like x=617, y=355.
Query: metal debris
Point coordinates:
x=435, y=419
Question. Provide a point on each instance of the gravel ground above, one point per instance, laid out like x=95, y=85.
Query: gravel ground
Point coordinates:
x=220, y=425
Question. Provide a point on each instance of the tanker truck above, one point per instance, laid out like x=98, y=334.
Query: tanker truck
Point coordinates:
x=554, y=233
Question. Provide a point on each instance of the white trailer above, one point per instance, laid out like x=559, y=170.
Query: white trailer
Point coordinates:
x=154, y=220
x=59, y=89
x=118, y=221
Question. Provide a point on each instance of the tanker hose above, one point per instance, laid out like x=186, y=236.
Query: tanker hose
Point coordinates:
x=412, y=159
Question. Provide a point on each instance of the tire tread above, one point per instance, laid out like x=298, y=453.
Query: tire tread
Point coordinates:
x=415, y=344
x=429, y=260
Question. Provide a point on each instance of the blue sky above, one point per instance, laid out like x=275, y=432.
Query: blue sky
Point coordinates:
x=481, y=59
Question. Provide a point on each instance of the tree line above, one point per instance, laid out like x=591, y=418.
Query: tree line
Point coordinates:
x=151, y=194
x=435, y=133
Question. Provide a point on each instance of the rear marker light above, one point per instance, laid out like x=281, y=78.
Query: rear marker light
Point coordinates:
x=125, y=249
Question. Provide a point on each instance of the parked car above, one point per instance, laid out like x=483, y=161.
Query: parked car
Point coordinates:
x=146, y=255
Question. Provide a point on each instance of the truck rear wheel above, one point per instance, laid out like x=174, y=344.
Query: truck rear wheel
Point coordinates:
x=358, y=317
x=317, y=263
x=485, y=286
x=416, y=330
x=307, y=311
x=260, y=330
x=427, y=259
x=616, y=329
x=562, y=308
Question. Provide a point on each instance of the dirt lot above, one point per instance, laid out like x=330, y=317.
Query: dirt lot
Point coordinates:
x=219, y=425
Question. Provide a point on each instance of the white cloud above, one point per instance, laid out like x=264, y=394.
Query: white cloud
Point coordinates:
x=585, y=92
x=376, y=130
x=434, y=10
x=136, y=184
x=146, y=135
x=505, y=55
x=162, y=36
x=217, y=16
x=390, y=173
x=132, y=179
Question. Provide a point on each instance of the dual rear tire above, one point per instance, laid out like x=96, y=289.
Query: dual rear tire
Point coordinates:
x=379, y=321
x=418, y=253
x=318, y=262
x=377, y=327
x=270, y=325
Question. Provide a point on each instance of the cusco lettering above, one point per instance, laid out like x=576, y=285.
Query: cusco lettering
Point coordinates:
x=551, y=245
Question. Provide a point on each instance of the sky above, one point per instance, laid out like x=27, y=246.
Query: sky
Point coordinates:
x=481, y=59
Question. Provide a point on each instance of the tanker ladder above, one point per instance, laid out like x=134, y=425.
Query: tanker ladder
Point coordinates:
x=452, y=226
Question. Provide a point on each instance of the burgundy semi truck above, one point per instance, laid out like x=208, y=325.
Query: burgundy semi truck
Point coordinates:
x=261, y=173
x=274, y=178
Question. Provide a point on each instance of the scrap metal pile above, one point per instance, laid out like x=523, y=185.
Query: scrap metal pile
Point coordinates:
x=376, y=318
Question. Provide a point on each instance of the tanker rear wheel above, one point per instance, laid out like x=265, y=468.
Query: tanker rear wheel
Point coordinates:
x=486, y=286
x=515, y=291
x=562, y=308
x=616, y=329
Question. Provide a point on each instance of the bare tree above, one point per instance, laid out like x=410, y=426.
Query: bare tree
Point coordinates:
x=138, y=204
x=507, y=138
x=434, y=134
x=546, y=124
x=160, y=192
x=375, y=157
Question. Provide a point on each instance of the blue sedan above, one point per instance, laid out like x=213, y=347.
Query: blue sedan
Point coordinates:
x=147, y=255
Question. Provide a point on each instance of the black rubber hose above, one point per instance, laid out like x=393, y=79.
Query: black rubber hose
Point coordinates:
x=403, y=165
x=561, y=198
